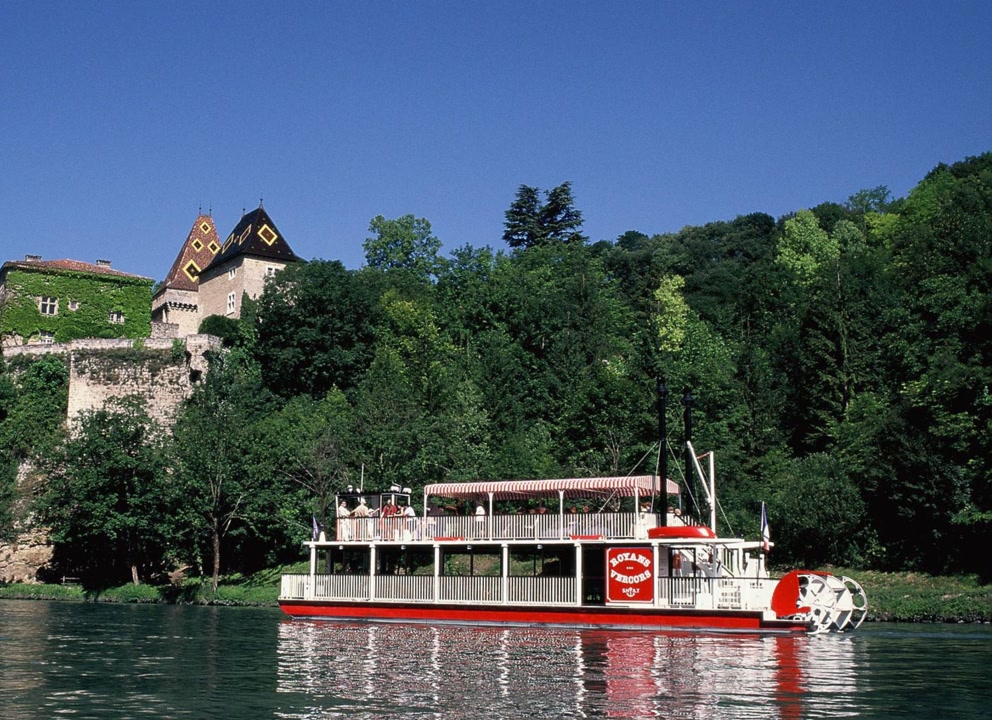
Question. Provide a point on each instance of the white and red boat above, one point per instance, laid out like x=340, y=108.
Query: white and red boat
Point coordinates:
x=586, y=552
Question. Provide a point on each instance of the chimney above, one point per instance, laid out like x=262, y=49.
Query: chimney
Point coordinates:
x=103, y=263
x=32, y=258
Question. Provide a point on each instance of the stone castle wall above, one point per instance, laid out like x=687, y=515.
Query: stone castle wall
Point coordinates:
x=163, y=371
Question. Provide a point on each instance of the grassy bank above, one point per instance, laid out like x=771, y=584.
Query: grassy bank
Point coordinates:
x=896, y=597
x=916, y=597
x=260, y=589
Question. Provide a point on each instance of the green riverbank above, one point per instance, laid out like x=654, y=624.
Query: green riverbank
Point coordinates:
x=892, y=597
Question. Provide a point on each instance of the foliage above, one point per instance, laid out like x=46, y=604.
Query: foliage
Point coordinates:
x=41, y=591
x=406, y=243
x=129, y=594
x=920, y=597
x=223, y=501
x=315, y=327
x=33, y=398
x=227, y=329
x=85, y=304
x=106, y=497
x=529, y=222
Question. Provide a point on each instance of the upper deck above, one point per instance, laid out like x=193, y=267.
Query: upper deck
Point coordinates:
x=498, y=527
x=610, y=508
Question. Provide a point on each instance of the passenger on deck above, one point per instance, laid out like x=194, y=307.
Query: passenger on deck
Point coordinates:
x=412, y=524
x=430, y=524
x=344, y=521
x=362, y=529
x=389, y=520
x=480, y=518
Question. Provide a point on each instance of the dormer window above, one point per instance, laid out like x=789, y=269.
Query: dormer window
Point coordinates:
x=232, y=273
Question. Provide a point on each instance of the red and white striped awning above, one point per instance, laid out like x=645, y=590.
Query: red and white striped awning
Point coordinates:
x=629, y=486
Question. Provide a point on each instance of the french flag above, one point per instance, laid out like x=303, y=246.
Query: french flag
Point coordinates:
x=766, y=536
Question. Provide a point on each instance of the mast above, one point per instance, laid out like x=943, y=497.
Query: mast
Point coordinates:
x=662, y=449
x=690, y=471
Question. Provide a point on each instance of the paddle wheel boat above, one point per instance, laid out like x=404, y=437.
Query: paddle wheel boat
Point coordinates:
x=607, y=552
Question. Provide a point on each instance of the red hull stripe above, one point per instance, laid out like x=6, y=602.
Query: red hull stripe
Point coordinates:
x=705, y=620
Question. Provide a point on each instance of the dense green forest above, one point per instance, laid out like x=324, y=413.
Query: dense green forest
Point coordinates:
x=839, y=358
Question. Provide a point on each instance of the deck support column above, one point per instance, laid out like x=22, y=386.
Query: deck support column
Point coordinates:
x=655, y=558
x=372, y=572
x=437, y=572
x=578, y=573
x=308, y=588
x=504, y=584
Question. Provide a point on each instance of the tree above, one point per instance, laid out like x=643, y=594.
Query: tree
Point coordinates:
x=405, y=243
x=805, y=246
x=530, y=222
x=316, y=327
x=215, y=435
x=312, y=444
x=560, y=221
x=107, y=496
x=522, y=227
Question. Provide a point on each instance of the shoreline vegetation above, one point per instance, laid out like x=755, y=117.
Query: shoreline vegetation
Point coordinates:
x=892, y=597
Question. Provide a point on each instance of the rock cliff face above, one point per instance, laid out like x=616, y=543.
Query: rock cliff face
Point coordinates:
x=163, y=371
x=21, y=560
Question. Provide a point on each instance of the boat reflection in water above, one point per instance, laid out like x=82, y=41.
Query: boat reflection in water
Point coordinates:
x=381, y=670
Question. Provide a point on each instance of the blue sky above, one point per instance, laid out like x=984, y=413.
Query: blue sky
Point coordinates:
x=120, y=120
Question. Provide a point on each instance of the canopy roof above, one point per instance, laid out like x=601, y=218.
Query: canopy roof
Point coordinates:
x=629, y=486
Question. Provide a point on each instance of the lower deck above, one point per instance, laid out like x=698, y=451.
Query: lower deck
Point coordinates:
x=575, y=574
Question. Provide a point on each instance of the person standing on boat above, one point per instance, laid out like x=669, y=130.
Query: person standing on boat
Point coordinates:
x=344, y=521
x=480, y=518
x=411, y=522
x=362, y=523
x=389, y=520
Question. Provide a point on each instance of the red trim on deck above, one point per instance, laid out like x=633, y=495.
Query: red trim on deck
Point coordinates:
x=701, y=620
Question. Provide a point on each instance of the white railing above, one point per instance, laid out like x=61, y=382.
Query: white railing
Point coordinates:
x=721, y=593
x=294, y=587
x=470, y=589
x=541, y=590
x=341, y=586
x=404, y=587
x=547, y=526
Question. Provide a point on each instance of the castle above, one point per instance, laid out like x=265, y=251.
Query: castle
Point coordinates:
x=210, y=278
x=93, y=313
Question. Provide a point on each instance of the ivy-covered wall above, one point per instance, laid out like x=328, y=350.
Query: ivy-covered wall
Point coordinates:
x=94, y=297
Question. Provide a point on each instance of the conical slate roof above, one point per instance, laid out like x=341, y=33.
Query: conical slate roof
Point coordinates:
x=255, y=235
x=201, y=245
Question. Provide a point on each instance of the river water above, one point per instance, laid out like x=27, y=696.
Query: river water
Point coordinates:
x=91, y=660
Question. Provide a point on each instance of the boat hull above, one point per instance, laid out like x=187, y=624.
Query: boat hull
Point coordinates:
x=620, y=618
